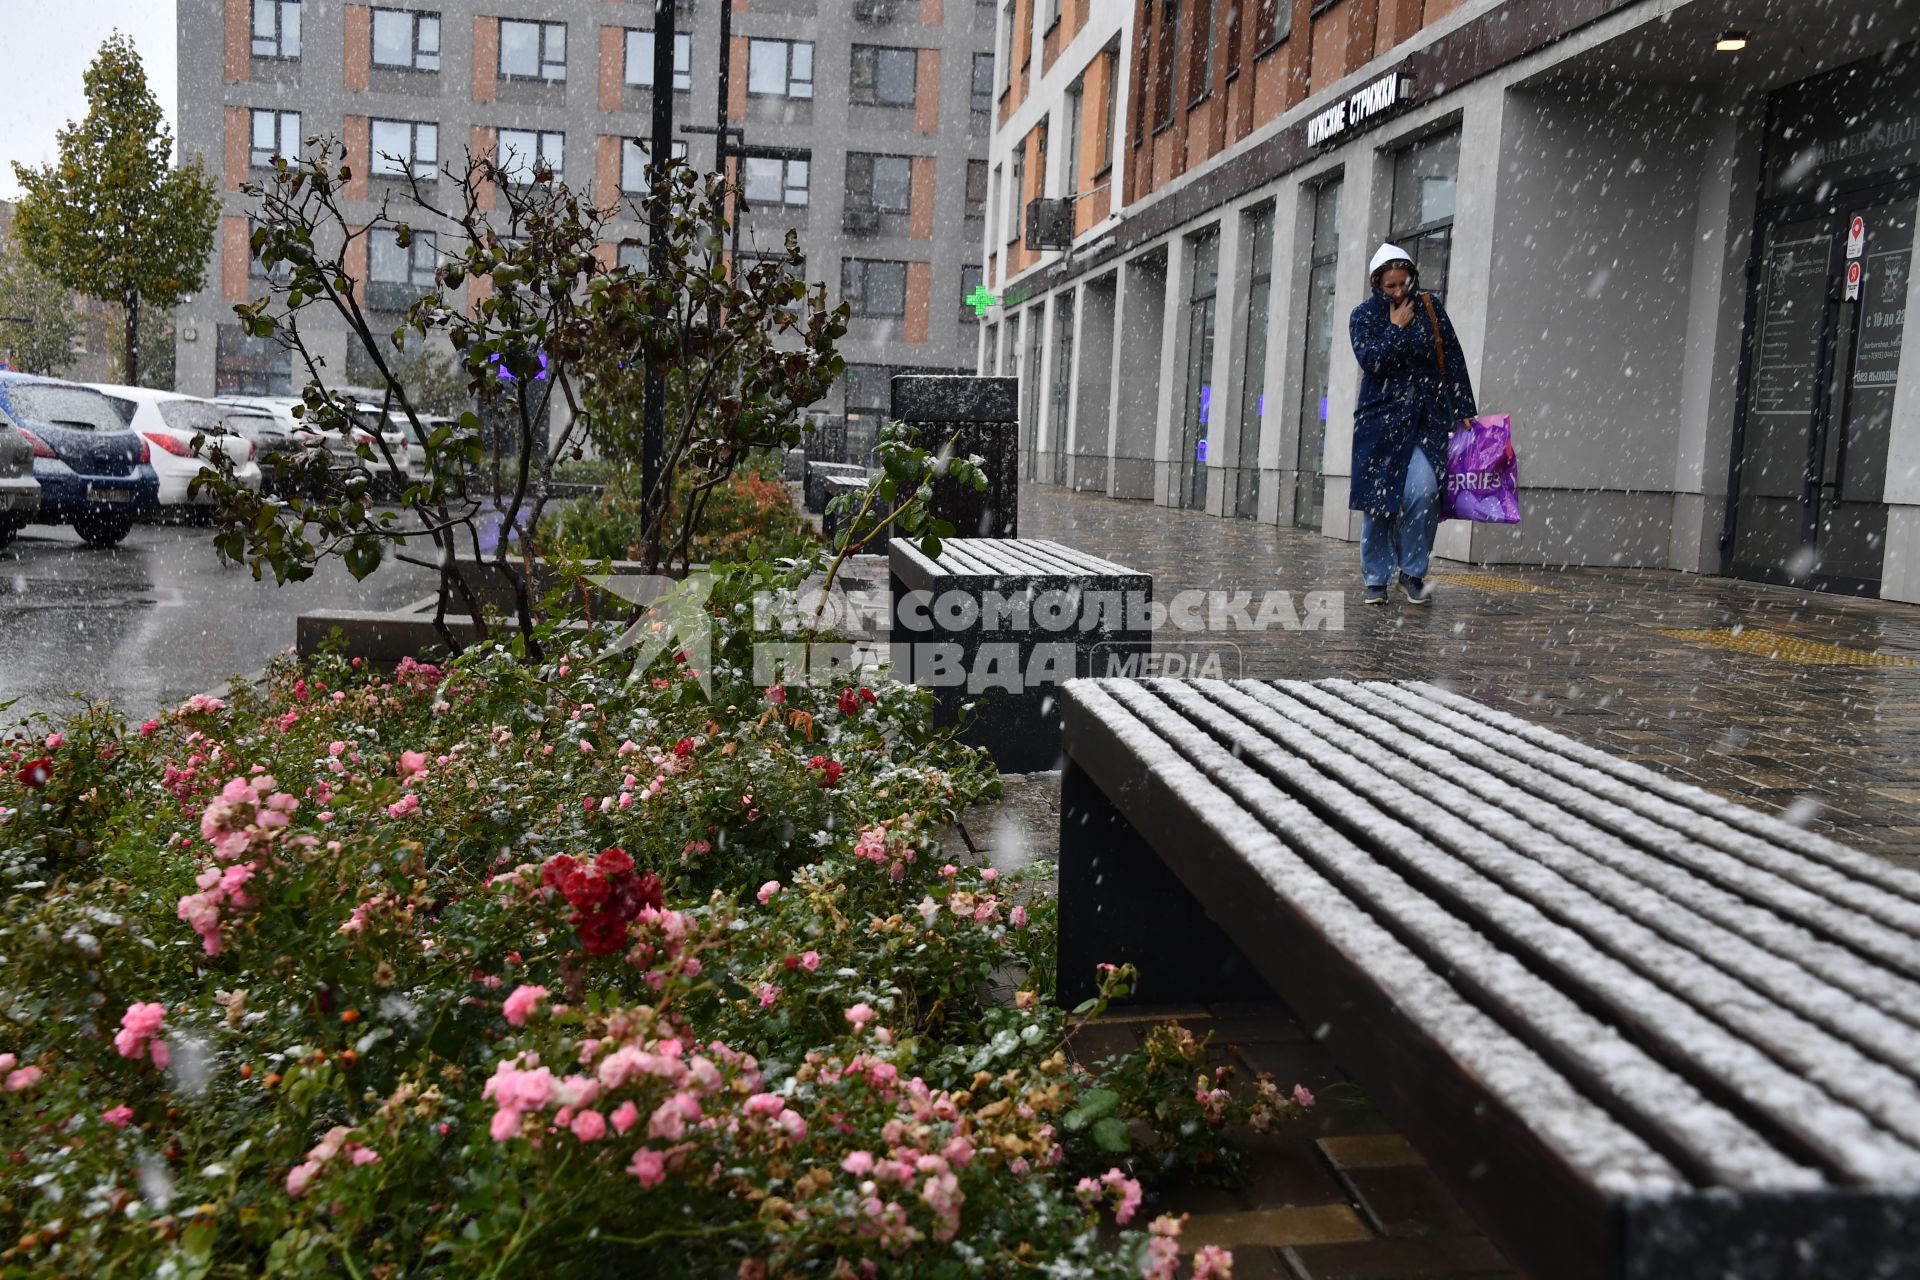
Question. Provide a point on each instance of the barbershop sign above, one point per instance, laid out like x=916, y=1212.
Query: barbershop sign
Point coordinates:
x=1361, y=108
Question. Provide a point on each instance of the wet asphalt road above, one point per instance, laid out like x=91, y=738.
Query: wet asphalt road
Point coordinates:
x=154, y=620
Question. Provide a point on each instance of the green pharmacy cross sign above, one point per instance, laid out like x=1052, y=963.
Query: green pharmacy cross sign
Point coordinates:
x=980, y=300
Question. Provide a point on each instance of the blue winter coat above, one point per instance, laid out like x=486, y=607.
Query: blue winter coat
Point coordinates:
x=1405, y=402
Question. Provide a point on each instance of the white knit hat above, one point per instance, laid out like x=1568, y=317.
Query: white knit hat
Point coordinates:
x=1385, y=255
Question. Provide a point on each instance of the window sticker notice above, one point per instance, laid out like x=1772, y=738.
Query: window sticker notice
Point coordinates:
x=1883, y=319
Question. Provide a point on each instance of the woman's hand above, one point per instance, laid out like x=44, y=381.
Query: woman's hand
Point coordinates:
x=1401, y=313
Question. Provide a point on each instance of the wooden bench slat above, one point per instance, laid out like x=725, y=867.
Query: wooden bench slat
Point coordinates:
x=1613, y=804
x=1860, y=866
x=1883, y=892
x=1724, y=1034
x=1584, y=1134
x=1656, y=1100
x=1825, y=984
x=1770, y=912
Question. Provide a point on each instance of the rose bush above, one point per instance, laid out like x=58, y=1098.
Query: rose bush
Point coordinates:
x=534, y=967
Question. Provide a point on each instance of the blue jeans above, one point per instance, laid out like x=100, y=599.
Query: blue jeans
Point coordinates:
x=1405, y=539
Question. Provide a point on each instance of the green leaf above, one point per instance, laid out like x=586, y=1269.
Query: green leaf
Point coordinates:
x=1095, y=1104
x=362, y=558
x=1111, y=1135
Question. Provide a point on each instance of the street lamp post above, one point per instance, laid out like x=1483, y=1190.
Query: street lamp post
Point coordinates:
x=653, y=427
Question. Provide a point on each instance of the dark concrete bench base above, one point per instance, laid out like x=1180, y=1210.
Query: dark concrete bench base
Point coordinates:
x=1642, y=1031
x=1020, y=726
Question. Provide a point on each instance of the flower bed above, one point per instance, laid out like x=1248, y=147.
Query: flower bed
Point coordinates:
x=559, y=969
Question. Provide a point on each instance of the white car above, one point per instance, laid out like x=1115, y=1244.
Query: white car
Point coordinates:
x=169, y=422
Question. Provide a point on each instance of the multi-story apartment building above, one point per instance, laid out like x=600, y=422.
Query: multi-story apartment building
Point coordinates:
x=1674, y=236
x=864, y=125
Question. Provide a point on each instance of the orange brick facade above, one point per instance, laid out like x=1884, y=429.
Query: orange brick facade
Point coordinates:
x=358, y=47
x=1180, y=116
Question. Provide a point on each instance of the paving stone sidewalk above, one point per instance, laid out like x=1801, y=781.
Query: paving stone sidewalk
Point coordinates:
x=1795, y=702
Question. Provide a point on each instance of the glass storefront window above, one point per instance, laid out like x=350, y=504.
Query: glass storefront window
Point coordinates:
x=1310, y=460
x=1425, y=178
x=1202, y=302
x=1253, y=381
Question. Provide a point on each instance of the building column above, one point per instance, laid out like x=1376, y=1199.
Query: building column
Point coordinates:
x=1170, y=402
x=1900, y=574
x=1286, y=284
x=1470, y=276
x=1229, y=333
x=1716, y=316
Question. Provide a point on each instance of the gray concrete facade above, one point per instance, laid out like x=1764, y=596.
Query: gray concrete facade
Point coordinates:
x=938, y=134
x=1609, y=189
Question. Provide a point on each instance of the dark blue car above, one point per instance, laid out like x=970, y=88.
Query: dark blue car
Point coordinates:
x=94, y=473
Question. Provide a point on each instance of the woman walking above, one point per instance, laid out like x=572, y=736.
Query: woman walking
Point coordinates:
x=1414, y=390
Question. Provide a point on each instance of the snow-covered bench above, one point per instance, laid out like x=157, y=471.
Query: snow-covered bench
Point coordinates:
x=1641, y=1030
x=1003, y=623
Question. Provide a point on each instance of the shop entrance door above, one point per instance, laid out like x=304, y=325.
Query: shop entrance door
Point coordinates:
x=1828, y=312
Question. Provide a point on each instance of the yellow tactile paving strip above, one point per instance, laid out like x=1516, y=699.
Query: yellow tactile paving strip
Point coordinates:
x=1494, y=584
x=1786, y=648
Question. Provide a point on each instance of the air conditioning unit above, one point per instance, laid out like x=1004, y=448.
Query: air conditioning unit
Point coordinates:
x=873, y=10
x=858, y=221
x=1050, y=224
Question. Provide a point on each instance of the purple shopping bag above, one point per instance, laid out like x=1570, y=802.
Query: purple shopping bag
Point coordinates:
x=1483, y=476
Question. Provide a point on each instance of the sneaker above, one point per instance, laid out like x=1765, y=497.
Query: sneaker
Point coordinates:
x=1418, y=592
x=1375, y=595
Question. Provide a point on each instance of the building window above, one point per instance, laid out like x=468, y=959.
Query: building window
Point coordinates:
x=971, y=278
x=405, y=39
x=640, y=60
x=1200, y=55
x=631, y=255
x=1070, y=162
x=776, y=180
x=633, y=162
x=533, y=50
x=1007, y=22
x=403, y=147
x=244, y=365
x=1424, y=178
x=280, y=272
x=1016, y=191
x=883, y=77
x=275, y=133
x=869, y=404
x=780, y=68
x=980, y=96
x=872, y=288
x=1253, y=364
x=276, y=28
x=1113, y=106
x=398, y=274
x=1275, y=21
x=976, y=188
x=1163, y=64
x=1204, y=253
x=879, y=184
x=524, y=154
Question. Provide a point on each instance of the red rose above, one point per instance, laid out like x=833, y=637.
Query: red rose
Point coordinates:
x=586, y=888
x=613, y=862
x=556, y=869
x=602, y=933
x=35, y=773
x=683, y=748
x=849, y=702
x=830, y=773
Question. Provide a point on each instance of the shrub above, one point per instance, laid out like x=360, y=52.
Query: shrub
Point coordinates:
x=749, y=515
x=523, y=968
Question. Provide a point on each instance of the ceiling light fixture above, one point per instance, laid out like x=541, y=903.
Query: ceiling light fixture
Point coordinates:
x=1731, y=41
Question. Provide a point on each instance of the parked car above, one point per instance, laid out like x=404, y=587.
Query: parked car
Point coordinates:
x=171, y=423
x=19, y=491
x=275, y=433
x=94, y=472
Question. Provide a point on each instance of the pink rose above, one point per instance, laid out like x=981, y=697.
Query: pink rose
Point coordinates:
x=810, y=961
x=625, y=1116
x=24, y=1078
x=118, y=1116
x=648, y=1167
x=521, y=1003
x=767, y=891
x=860, y=1015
